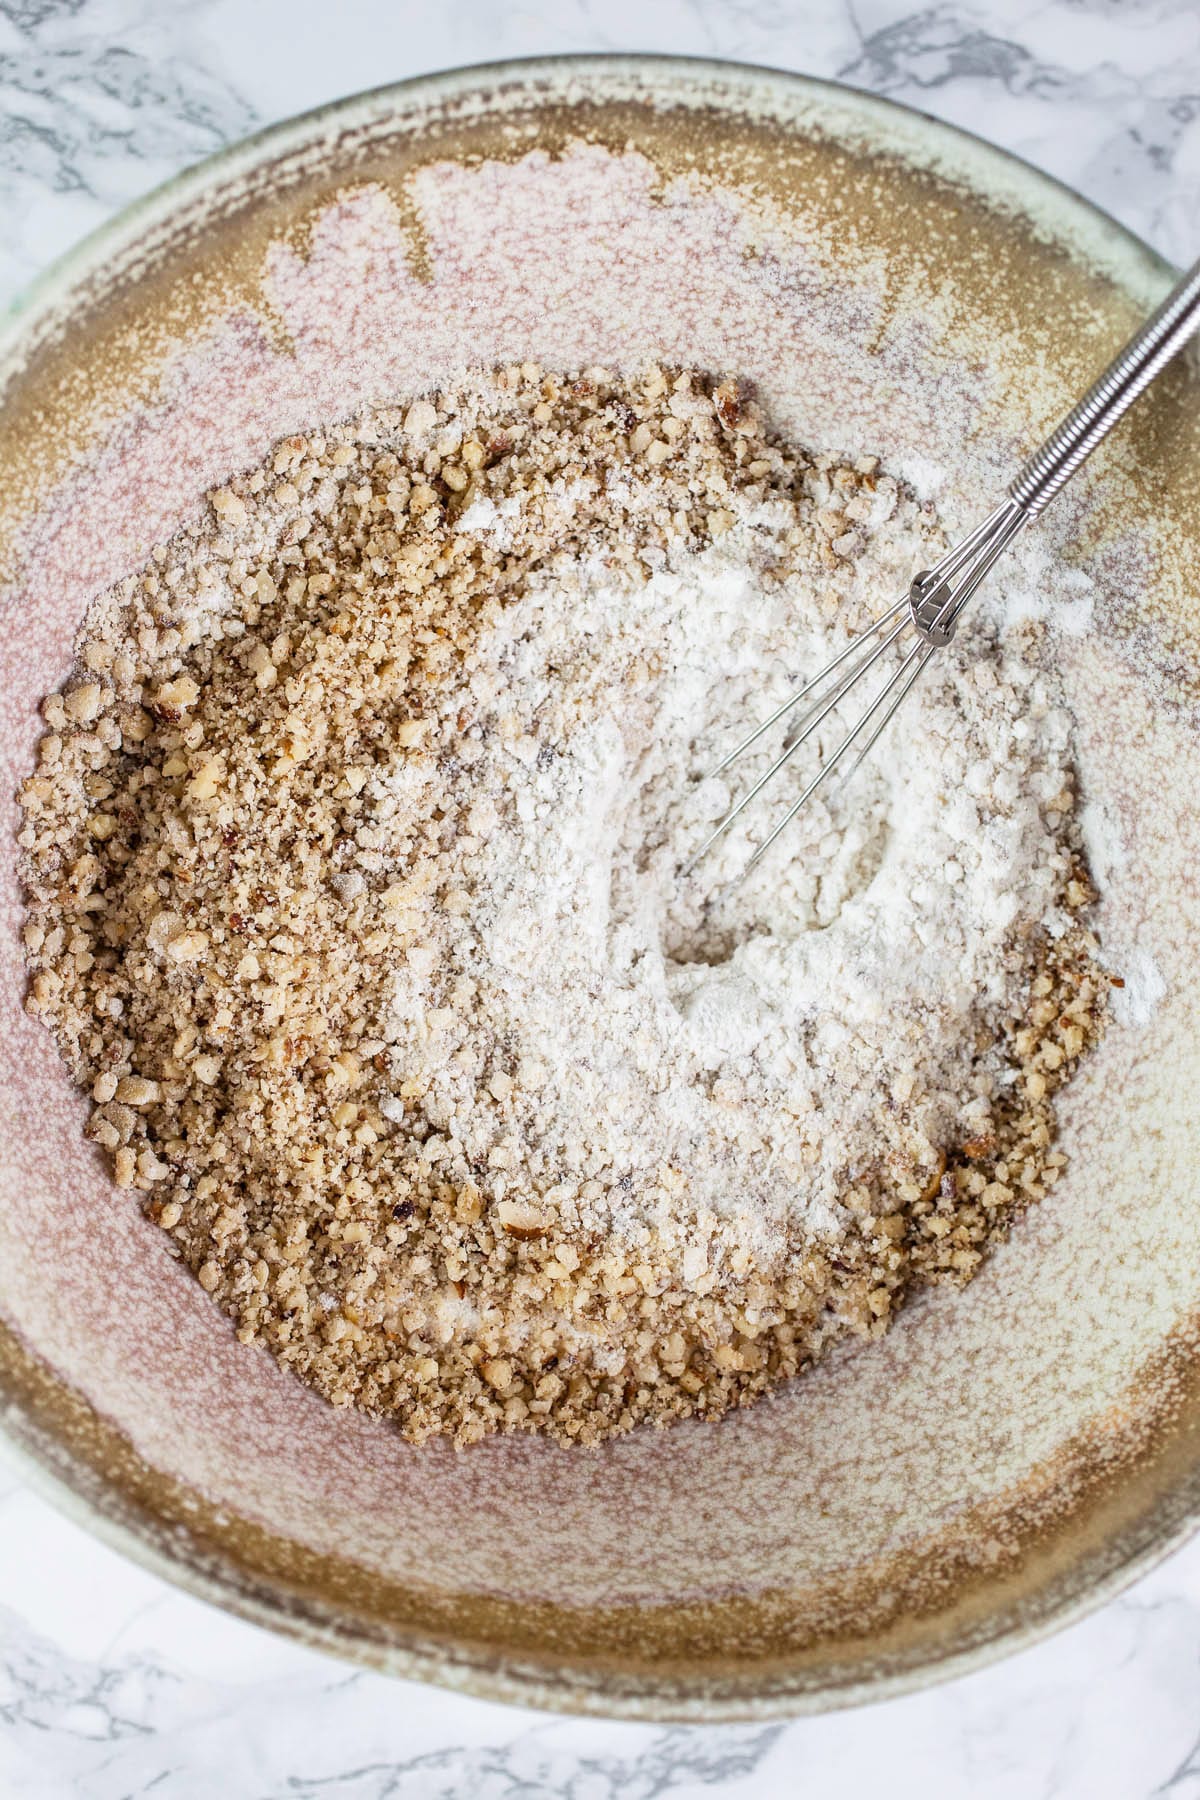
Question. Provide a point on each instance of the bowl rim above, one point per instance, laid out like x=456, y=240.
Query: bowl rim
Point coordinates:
x=1064, y=216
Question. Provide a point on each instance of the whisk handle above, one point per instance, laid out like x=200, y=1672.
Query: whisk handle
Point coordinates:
x=1131, y=371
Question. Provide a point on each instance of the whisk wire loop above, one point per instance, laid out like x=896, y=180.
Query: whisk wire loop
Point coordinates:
x=931, y=608
x=793, y=700
x=909, y=670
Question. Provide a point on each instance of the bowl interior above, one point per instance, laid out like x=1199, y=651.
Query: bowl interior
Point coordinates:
x=1005, y=1452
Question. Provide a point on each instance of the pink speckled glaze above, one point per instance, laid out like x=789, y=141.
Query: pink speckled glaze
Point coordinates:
x=981, y=1421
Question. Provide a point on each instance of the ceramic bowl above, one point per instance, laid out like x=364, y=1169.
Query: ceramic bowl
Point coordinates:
x=1010, y=1454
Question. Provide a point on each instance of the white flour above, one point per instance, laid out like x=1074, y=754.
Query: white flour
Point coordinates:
x=775, y=1043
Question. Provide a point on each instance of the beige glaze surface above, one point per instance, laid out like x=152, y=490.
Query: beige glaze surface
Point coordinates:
x=1004, y=1449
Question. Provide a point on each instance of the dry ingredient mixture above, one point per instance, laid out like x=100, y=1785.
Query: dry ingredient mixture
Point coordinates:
x=353, y=902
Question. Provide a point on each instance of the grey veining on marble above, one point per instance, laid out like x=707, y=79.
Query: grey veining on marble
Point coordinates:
x=113, y=1686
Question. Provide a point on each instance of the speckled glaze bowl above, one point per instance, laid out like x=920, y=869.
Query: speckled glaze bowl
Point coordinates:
x=1009, y=1455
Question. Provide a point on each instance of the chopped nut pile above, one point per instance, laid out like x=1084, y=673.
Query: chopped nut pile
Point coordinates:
x=274, y=853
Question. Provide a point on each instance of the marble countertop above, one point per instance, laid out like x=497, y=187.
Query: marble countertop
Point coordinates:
x=113, y=1685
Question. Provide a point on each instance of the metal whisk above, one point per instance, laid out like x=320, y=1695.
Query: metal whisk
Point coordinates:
x=934, y=603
